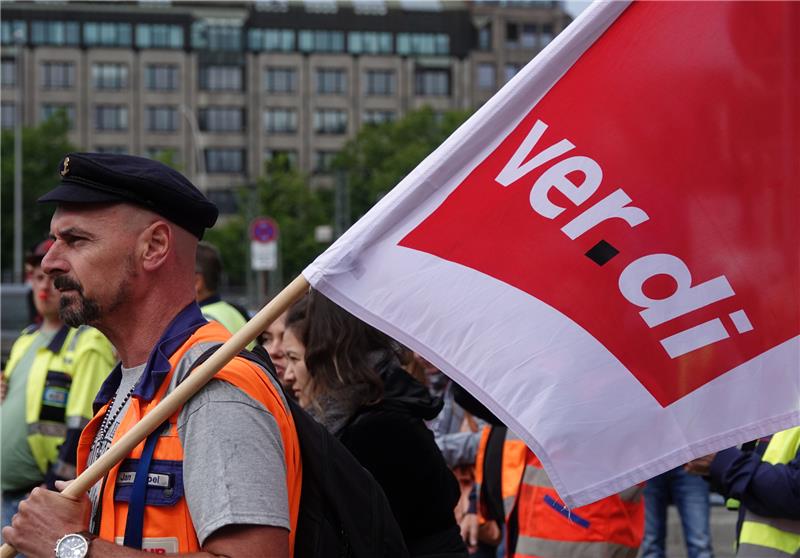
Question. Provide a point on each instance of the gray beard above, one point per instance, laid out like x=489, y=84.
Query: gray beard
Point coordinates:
x=78, y=312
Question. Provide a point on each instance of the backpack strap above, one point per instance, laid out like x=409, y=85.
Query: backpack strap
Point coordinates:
x=491, y=488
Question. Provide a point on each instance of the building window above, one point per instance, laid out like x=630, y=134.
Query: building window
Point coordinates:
x=221, y=119
x=521, y=35
x=432, y=82
x=107, y=34
x=49, y=109
x=9, y=115
x=546, y=34
x=224, y=160
x=487, y=77
x=159, y=36
x=56, y=33
x=511, y=70
x=485, y=37
x=423, y=43
x=330, y=121
x=112, y=149
x=280, y=121
x=323, y=161
x=225, y=200
x=221, y=78
x=280, y=80
x=58, y=75
x=161, y=77
x=369, y=42
x=321, y=41
x=283, y=158
x=161, y=119
x=379, y=82
x=110, y=76
x=331, y=81
x=112, y=118
x=271, y=40
x=8, y=77
x=216, y=37
x=378, y=116
x=8, y=30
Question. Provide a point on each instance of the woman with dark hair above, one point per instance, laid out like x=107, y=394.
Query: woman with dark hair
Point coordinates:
x=348, y=376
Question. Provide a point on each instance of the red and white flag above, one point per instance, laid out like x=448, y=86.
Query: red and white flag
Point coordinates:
x=606, y=253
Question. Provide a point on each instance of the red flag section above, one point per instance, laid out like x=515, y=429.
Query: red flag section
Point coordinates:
x=651, y=196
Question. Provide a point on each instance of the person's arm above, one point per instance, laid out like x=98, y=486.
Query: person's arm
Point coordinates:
x=219, y=422
x=47, y=516
x=771, y=490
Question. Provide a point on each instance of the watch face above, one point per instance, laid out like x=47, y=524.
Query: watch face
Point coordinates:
x=72, y=546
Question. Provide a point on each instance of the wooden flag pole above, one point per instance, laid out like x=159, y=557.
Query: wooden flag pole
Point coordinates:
x=171, y=403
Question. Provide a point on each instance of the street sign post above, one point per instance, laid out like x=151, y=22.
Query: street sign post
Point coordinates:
x=264, y=244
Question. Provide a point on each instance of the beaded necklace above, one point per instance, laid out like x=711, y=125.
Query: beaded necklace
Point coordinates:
x=105, y=426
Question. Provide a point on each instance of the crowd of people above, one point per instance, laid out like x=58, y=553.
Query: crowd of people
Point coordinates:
x=127, y=300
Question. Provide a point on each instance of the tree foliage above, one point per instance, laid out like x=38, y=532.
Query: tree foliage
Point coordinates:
x=43, y=147
x=382, y=155
x=284, y=195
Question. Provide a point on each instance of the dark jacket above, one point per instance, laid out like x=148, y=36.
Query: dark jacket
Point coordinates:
x=763, y=488
x=391, y=440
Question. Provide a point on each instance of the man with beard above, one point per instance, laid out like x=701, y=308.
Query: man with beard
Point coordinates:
x=47, y=389
x=126, y=231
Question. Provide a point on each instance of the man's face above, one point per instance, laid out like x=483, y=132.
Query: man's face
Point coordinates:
x=45, y=296
x=91, y=262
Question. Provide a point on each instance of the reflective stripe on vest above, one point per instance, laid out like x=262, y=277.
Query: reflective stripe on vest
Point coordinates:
x=166, y=514
x=613, y=526
x=547, y=548
x=767, y=536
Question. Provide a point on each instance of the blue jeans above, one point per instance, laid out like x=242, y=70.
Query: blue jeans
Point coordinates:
x=689, y=493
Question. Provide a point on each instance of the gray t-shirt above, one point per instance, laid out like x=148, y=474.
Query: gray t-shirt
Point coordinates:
x=234, y=472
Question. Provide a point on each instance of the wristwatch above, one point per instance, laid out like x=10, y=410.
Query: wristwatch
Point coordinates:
x=73, y=545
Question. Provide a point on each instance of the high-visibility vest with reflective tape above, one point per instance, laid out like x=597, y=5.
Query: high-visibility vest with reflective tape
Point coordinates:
x=763, y=537
x=513, y=452
x=58, y=396
x=167, y=525
x=613, y=526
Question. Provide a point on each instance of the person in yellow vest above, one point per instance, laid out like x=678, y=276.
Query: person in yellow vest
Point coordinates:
x=222, y=476
x=766, y=484
x=48, y=386
x=207, y=277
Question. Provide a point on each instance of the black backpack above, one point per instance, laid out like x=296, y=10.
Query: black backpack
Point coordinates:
x=343, y=510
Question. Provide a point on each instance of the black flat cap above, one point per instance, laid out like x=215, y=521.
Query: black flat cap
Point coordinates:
x=111, y=178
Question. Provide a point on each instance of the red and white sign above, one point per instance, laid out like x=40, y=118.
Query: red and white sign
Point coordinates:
x=632, y=297
x=264, y=244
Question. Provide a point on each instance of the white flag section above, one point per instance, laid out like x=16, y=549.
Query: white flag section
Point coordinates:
x=605, y=254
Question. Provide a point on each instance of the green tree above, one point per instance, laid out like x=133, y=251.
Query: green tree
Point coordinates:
x=282, y=193
x=43, y=148
x=382, y=155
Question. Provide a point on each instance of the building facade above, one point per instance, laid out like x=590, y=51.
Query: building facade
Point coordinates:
x=225, y=86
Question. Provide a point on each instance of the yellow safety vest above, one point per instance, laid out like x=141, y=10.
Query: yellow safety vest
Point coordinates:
x=57, y=396
x=226, y=314
x=768, y=536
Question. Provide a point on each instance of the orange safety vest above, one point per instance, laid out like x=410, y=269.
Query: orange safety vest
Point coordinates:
x=511, y=467
x=167, y=525
x=613, y=526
